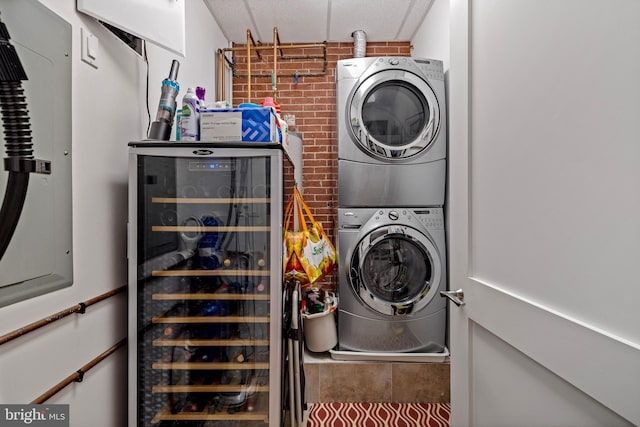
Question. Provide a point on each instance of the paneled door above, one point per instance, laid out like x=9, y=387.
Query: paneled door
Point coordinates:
x=544, y=212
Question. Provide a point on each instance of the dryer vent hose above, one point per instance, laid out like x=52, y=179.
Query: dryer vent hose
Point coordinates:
x=359, y=43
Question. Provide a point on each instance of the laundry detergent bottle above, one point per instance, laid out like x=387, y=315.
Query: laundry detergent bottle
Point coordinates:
x=190, y=121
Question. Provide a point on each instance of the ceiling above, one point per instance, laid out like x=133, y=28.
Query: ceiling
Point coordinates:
x=304, y=21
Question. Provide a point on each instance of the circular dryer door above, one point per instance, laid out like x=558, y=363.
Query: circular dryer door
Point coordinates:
x=394, y=115
x=395, y=270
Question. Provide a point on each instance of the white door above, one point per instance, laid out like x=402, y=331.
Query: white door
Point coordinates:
x=544, y=212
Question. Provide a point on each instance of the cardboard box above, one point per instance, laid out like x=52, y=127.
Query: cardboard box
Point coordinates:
x=238, y=124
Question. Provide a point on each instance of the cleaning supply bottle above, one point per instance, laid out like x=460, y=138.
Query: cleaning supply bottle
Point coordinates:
x=200, y=91
x=178, y=124
x=270, y=102
x=190, y=122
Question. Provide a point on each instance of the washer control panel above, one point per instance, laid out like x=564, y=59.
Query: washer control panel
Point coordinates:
x=355, y=218
x=431, y=218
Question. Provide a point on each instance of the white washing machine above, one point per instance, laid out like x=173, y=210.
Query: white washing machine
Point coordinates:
x=391, y=114
x=392, y=267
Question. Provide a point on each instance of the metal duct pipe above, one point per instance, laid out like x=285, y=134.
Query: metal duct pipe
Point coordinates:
x=359, y=43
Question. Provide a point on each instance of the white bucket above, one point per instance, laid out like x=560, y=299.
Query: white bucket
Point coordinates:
x=320, y=332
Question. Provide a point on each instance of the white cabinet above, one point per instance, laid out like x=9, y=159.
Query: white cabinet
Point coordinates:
x=161, y=22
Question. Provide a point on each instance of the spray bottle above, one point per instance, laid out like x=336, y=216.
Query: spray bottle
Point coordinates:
x=200, y=91
x=161, y=128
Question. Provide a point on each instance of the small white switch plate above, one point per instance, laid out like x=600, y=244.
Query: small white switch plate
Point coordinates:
x=90, y=45
x=290, y=119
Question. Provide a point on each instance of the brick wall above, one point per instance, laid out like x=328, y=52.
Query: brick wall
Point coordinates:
x=313, y=103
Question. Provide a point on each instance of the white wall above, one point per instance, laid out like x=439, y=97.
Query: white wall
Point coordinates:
x=108, y=111
x=203, y=39
x=431, y=40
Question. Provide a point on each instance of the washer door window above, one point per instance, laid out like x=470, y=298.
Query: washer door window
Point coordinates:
x=393, y=270
x=394, y=114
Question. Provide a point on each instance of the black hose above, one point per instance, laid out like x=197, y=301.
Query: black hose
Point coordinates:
x=15, y=118
x=17, y=131
x=14, y=198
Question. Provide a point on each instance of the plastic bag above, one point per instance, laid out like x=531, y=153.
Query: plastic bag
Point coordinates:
x=308, y=254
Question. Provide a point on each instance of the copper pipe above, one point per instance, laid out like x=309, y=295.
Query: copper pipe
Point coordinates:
x=276, y=46
x=286, y=57
x=78, y=376
x=274, y=78
x=222, y=78
x=266, y=46
x=80, y=307
x=218, y=58
x=223, y=59
x=249, y=38
x=317, y=74
x=220, y=89
x=277, y=38
x=259, y=76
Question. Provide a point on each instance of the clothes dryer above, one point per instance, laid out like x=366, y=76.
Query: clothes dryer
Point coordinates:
x=391, y=118
x=392, y=266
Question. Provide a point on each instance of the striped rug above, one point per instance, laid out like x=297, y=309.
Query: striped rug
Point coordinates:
x=379, y=415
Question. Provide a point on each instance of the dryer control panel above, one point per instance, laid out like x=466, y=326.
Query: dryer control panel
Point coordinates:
x=431, y=218
x=432, y=68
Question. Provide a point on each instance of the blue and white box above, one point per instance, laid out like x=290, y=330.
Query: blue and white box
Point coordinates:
x=238, y=124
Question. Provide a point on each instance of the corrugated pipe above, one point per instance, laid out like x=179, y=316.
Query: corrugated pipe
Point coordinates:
x=17, y=132
x=359, y=43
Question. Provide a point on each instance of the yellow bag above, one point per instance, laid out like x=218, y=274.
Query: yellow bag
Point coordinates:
x=308, y=255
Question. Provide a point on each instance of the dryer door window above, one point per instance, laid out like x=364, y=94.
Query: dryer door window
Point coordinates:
x=394, y=115
x=393, y=270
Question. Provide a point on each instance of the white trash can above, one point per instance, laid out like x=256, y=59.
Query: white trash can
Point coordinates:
x=320, y=331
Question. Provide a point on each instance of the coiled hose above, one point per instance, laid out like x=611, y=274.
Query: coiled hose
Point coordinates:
x=17, y=131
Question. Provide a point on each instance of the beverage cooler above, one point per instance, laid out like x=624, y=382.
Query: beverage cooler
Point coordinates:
x=205, y=275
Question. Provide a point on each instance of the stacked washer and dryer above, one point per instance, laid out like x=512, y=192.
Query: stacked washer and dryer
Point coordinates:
x=392, y=158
